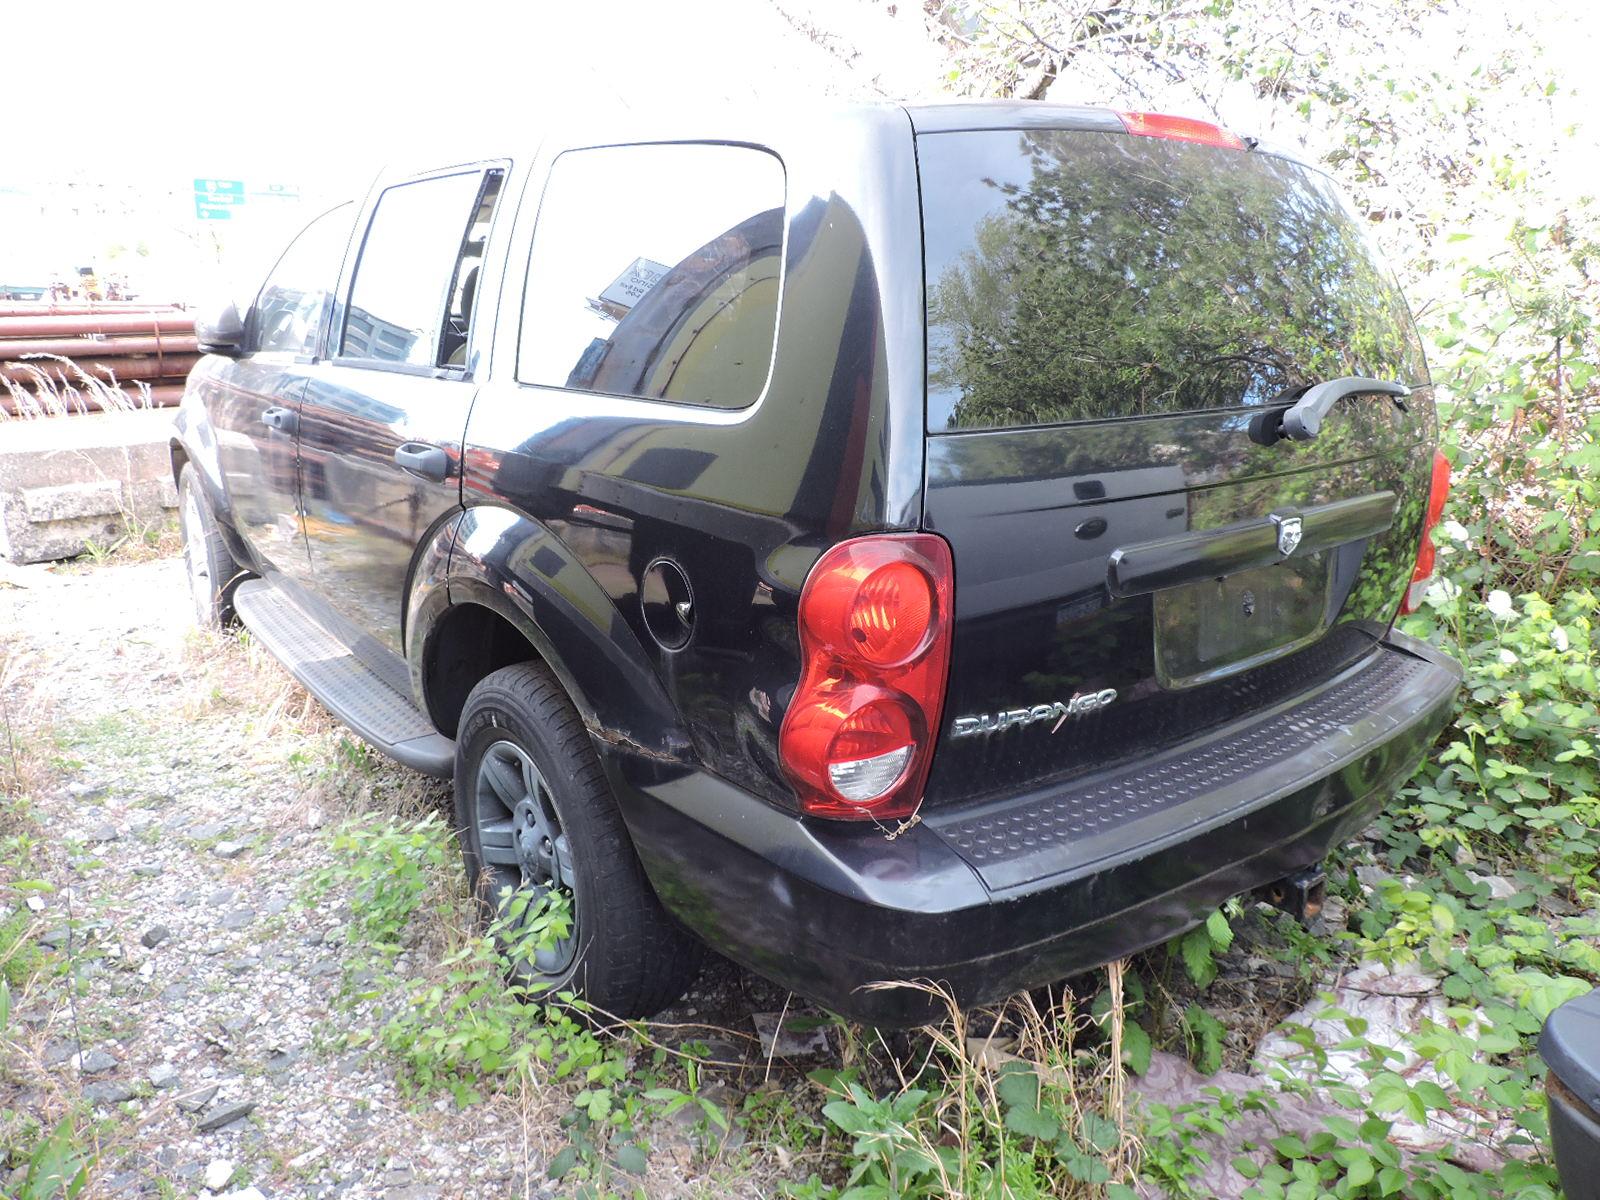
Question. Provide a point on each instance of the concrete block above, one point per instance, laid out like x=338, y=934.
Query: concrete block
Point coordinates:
x=67, y=501
x=67, y=481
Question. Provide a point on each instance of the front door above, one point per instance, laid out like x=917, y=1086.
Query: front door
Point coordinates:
x=382, y=416
x=254, y=403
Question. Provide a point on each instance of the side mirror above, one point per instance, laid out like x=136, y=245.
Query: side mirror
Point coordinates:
x=220, y=331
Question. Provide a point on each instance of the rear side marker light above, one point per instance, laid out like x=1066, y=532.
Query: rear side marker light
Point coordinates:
x=1422, y=575
x=874, y=619
x=1179, y=129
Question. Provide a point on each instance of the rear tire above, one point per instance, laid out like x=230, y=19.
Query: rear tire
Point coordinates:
x=209, y=568
x=534, y=812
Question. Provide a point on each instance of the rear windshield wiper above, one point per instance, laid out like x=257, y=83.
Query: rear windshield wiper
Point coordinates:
x=1302, y=420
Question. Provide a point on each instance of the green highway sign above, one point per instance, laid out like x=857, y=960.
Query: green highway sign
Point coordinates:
x=214, y=199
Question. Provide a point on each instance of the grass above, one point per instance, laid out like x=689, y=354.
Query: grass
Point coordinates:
x=53, y=1144
x=1035, y=1098
x=982, y=1101
x=108, y=730
x=56, y=386
x=1031, y=1099
x=55, y=1140
x=141, y=540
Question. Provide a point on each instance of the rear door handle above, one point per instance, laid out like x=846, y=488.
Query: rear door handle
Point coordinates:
x=284, y=420
x=419, y=458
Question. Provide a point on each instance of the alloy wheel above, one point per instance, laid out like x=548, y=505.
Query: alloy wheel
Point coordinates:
x=521, y=842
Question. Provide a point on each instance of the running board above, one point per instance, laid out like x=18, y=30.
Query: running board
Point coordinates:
x=348, y=687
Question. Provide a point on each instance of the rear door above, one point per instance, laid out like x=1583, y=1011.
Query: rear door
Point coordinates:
x=1115, y=323
x=382, y=419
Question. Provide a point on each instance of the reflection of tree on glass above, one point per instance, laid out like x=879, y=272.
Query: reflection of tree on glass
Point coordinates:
x=1080, y=276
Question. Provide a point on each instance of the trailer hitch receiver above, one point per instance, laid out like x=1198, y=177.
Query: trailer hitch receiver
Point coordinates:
x=1300, y=894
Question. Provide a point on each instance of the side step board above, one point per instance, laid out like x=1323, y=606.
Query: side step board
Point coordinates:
x=347, y=686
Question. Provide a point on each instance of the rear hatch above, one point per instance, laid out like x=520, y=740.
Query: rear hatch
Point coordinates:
x=1114, y=323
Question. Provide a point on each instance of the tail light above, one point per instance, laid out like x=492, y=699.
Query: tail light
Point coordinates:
x=1179, y=129
x=857, y=739
x=1438, y=490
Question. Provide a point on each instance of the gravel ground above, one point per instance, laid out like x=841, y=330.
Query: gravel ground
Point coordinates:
x=185, y=790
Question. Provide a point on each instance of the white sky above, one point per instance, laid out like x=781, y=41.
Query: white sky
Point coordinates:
x=135, y=101
x=132, y=102
x=328, y=90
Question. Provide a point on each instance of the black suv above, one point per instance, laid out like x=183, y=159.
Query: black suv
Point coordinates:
x=953, y=543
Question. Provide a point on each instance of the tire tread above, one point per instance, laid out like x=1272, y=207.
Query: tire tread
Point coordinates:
x=226, y=573
x=651, y=961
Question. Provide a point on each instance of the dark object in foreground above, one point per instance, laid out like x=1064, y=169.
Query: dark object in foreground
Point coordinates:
x=842, y=541
x=1570, y=1047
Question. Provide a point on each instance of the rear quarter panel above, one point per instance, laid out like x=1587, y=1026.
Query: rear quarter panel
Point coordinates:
x=742, y=500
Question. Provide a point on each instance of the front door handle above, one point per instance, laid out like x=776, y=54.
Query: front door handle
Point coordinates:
x=285, y=420
x=419, y=458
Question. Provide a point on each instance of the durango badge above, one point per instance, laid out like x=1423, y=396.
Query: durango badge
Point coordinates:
x=1084, y=702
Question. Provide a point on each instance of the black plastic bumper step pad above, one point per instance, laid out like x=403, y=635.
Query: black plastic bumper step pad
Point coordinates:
x=1076, y=823
x=332, y=673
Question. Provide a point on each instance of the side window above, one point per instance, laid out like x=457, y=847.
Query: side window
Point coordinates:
x=654, y=272
x=289, y=309
x=411, y=302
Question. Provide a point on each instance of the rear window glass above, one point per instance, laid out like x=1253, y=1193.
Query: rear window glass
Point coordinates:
x=654, y=272
x=1081, y=276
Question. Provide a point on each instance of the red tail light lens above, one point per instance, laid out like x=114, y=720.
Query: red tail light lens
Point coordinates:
x=857, y=740
x=1422, y=576
x=884, y=617
x=1179, y=129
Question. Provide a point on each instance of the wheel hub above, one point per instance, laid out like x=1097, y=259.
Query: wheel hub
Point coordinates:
x=520, y=839
x=535, y=844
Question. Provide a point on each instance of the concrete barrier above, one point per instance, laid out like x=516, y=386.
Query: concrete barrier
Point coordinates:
x=69, y=481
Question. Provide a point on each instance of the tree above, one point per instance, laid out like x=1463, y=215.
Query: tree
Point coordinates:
x=1444, y=121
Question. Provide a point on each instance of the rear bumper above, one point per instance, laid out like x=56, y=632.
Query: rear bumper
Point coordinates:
x=1025, y=893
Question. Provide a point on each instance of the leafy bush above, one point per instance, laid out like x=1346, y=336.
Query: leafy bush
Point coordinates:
x=1456, y=162
x=1516, y=775
x=1025, y=1126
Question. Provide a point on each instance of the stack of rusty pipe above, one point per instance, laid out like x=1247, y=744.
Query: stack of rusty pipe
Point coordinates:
x=138, y=350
